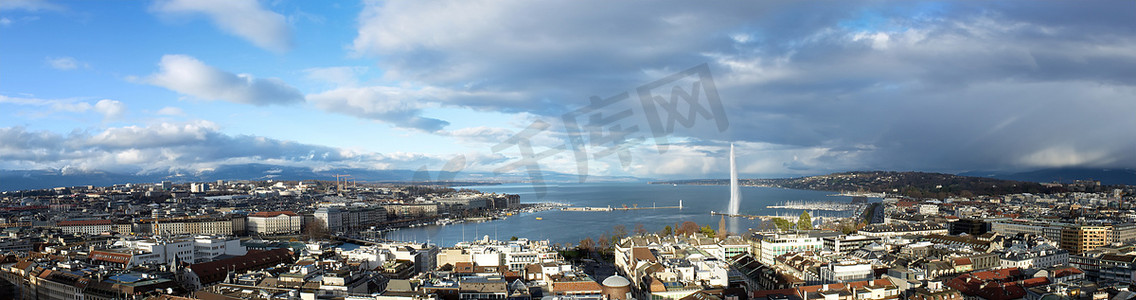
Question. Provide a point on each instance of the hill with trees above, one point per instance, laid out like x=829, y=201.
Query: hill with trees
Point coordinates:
x=911, y=184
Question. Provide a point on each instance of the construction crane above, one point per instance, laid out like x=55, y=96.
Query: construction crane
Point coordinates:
x=338, y=185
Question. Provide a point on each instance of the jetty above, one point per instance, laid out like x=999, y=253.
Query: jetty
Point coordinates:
x=751, y=217
x=825, y=205
x=593, y=208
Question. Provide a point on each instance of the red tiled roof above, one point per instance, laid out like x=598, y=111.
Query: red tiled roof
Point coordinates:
x=576, y=286
x=1032, y=282
x=850, y=285
x=999, y=274
x=269, y=214
x=214, y=271
x=110, y=256
x=995, y=284
x=643, y=253
x=1066, y=272
x=84, y=223
x=766, y=293
x=463, y=267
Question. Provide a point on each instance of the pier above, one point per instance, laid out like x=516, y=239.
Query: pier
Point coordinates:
x=826, y=205
x=751, y=217
x=364, y=242
x=592, y=208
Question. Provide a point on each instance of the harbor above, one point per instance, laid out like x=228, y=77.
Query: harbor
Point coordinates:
x=751, y=217
x=609, y=208
x=623, y=208
x=816, y=205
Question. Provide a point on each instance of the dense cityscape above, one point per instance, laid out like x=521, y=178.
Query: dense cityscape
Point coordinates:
x=567, y=150
x=323, y=240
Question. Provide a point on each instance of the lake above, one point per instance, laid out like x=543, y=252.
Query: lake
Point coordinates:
x=569, y=227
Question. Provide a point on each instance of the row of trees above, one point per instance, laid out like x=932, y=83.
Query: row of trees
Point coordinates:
x=606, y=240
x=804, y=222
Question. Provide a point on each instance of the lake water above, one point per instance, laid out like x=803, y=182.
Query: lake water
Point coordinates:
x=569, y=227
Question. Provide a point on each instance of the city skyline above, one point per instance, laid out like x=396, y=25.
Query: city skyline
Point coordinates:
x=138, y=87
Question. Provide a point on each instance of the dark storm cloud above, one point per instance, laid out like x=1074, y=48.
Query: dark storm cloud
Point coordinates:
x=188, y=146
x=904, y=85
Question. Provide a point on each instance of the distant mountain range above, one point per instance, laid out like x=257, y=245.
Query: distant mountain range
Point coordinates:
x=38, y=179
x=1065, y=175
x=912, y=184
x=11, y=180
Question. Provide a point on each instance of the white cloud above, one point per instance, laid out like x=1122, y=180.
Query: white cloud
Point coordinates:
x=75, y=107
x=65, y=63
x=400, y=107
x=480, y=134
x=187, y=75
x=891, y=85
x=159, y=135
x=28, y=5
x=337, y=76
x=244, y=18
x=111, y=109
x=171, y=111
x=182, y=146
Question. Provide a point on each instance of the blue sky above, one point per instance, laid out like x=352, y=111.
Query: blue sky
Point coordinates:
x=807, y=88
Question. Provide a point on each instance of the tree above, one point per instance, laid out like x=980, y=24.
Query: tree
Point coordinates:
x=805, y=222
x=587, y=244
x=513, y=238
x=315, y=231
x=722, y=232
x=667, y=231
x=706, y=230
x=847, y=227
x=783, y=224
x=618, y=232
x=689, y=227
x=604, y=243
x=639, y=229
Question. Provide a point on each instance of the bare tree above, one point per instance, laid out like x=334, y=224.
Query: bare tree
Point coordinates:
x=315, y=231
x=689, y=227
x=618, y=232
x=639, y=229
x=587, y=244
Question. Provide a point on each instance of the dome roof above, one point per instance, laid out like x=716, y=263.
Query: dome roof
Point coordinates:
x=616, y=281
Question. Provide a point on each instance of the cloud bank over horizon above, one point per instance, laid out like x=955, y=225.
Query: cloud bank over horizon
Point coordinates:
x=891, y=85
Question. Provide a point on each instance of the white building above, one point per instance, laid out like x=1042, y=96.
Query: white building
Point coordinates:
x=209, y=248
x=90, y=227
x=199, y=187
x=369, y=257
x=160, y=251
x=845, y=244
x=1040, y=256
x=774, y=245
x=846, y=271
x=350, y=218
x=274, y=222
x=928, y=209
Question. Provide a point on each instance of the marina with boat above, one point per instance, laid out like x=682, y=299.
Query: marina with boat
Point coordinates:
x=816, y=205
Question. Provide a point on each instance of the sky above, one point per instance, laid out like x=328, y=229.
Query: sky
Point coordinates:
x=645, y=89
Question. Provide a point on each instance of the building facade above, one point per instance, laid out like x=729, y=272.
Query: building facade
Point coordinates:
x=274, y=222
